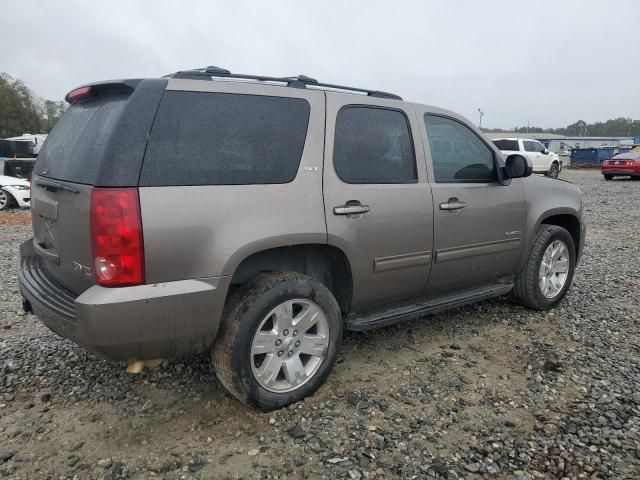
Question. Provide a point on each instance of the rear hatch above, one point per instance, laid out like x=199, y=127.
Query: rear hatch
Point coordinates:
x=99, y=141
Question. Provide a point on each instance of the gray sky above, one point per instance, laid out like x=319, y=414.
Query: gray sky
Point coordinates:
x=552, y=62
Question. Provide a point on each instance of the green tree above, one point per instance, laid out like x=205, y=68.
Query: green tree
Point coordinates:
x=22, y=111
x=616, y=127
x=19, y=112
x=52, y=111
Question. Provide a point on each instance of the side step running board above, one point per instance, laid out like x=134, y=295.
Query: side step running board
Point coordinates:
x=416, y=309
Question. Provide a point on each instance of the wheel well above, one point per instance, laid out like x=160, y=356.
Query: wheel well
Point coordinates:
x=325, y=263
x=569, y=223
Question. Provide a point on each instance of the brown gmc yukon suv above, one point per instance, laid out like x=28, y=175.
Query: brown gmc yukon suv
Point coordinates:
x=256, y=218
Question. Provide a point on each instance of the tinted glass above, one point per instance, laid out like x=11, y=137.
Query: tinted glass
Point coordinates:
x=225, y=139
x=506, y=145
x=373, y=145
x=530, y=146
x=627, y=156
x=458, y=154
x=75, y=149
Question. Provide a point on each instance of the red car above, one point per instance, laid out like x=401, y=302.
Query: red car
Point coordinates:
x=622, y=165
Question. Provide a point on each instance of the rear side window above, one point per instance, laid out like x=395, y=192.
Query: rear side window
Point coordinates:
x=75, y=149
x=458, y=154
x=225, y=139
x=373, y=145
x=511, y=145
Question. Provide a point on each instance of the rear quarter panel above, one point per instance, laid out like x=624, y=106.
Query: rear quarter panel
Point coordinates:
x=206, y=231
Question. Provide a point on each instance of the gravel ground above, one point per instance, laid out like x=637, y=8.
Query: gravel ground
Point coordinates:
x=491, y=390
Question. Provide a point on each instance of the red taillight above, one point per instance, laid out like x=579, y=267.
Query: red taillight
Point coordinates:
x=77, y=94
x=116, y=237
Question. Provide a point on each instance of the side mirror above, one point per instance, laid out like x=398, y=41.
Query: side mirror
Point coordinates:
x=545, y=151
x=517, y=166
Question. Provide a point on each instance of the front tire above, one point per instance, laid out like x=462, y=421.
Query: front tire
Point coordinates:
x=278, y=341
x=608, y=177
x=548, y=273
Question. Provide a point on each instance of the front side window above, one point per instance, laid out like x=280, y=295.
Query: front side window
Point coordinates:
x=373, y=145
x=458, y=154
x=530, y=146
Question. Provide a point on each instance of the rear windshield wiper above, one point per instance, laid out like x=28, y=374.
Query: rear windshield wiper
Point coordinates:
x=54, y=186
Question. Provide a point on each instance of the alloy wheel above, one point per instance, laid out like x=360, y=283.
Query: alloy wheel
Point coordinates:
x=554, y=269
x=289, y=345
x=4, y=199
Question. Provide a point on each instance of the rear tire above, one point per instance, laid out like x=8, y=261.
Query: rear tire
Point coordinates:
x=608, y=177
x=532, y=282
x=278, y=341
x=6, y=200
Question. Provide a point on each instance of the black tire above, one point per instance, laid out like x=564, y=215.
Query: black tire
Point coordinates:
x=7, y=201
x=608, y=177
x=246, y=308
x=554, y=170
x=527, y=289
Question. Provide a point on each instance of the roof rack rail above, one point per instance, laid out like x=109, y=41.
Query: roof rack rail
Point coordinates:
x=300, y=81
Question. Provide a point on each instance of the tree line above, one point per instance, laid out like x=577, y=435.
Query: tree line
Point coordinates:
x=616, y=127
x=22, y=111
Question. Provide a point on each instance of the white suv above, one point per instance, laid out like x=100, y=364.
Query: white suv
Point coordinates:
x=542, y=159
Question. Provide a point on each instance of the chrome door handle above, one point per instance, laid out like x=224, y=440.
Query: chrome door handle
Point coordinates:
x=351, y=209
x=452, y=204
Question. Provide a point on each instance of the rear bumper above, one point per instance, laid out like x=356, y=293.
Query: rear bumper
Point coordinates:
x=620, y=171
x=130, y=323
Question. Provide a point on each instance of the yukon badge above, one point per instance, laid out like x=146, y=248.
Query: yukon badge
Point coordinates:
x=512, y=233
x=84, y=270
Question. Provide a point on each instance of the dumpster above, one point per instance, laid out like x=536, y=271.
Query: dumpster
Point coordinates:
x=590, y=157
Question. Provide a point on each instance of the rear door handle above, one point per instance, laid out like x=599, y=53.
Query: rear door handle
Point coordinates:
x=452, y=204
x=354, y=209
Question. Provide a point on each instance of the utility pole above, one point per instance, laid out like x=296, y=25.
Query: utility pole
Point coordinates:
x=481, y=113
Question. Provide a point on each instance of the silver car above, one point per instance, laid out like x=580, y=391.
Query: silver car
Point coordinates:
x=257, y=218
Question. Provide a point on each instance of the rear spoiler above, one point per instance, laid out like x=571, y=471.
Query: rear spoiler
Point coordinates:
x=95, y=89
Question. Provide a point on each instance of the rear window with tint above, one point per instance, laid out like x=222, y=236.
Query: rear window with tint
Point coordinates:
x=75, y=148
x=225, y=139
x=627, y=156
x=506, y=145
